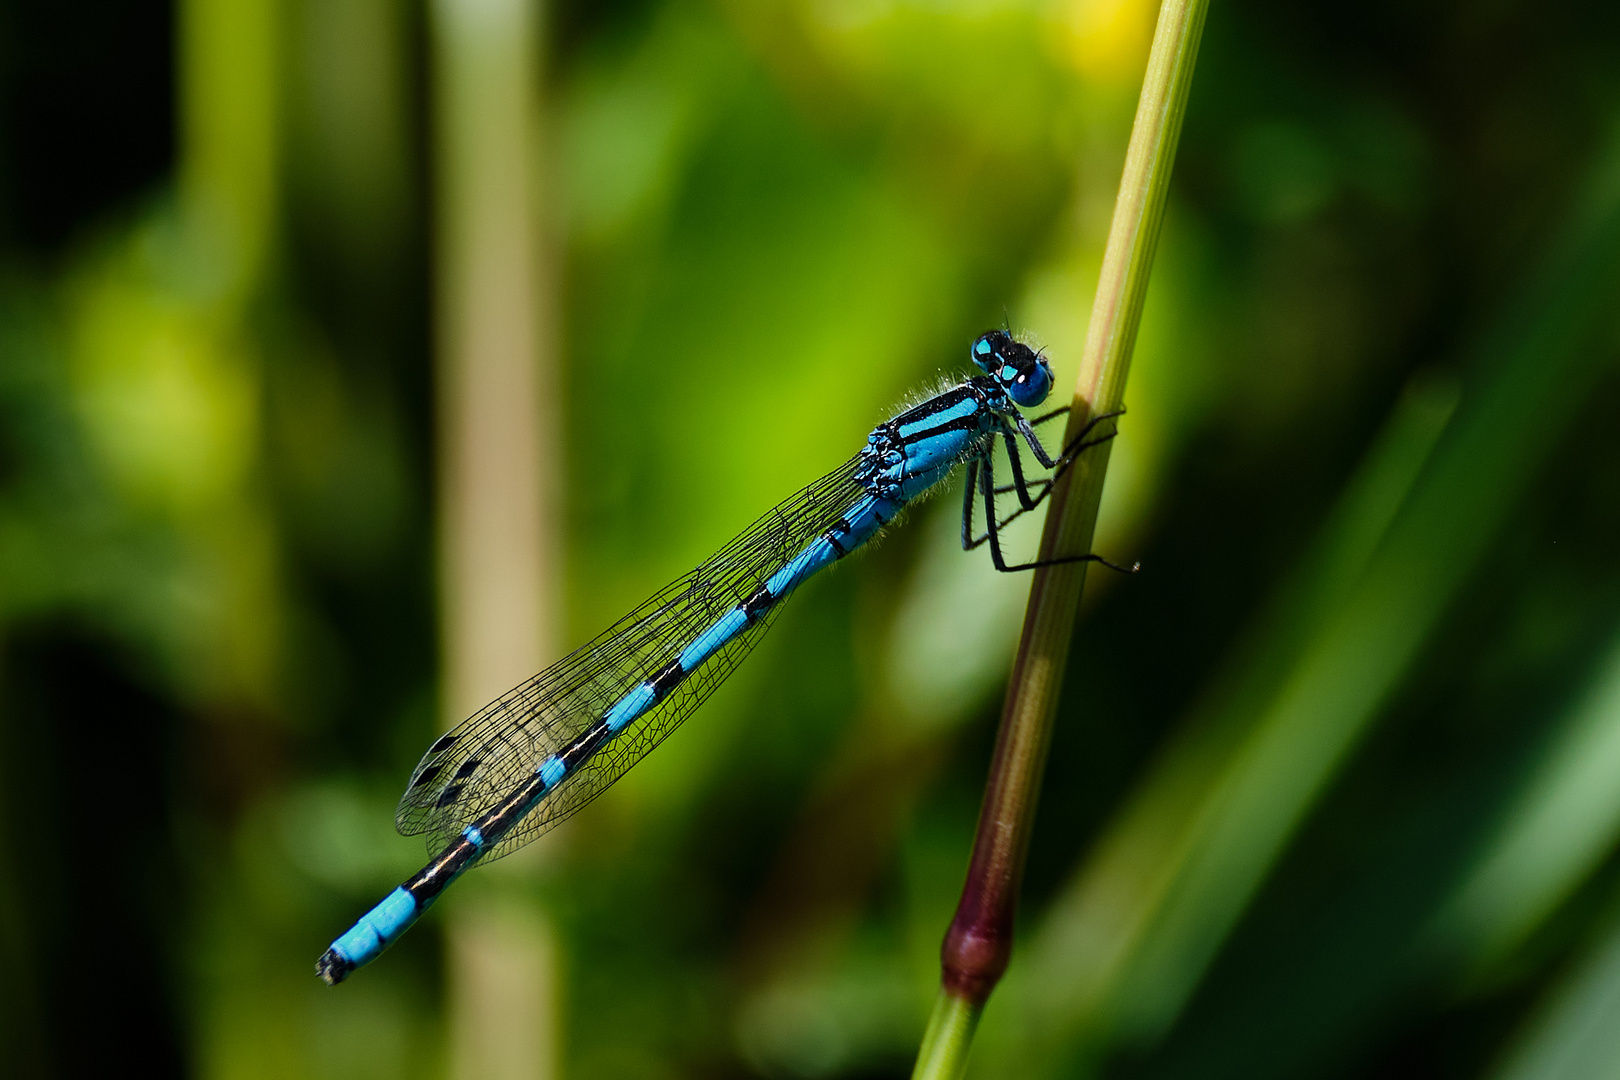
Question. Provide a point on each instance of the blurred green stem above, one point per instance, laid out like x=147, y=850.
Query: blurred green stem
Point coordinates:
x=1166, y=884
x=979, y=941
x=229, y=162
x=950, y=1033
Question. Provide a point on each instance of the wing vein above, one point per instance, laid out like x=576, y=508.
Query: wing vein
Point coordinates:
x=499, y=747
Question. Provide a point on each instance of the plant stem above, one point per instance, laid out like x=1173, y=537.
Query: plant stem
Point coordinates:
x=979, y=943
x=498, y=473
x=950, y=1033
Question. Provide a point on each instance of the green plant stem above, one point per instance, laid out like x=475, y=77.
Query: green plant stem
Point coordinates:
x=979, y=943
x=950, y=1033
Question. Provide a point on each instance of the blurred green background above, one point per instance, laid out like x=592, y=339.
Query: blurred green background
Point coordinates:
x=1335, y=789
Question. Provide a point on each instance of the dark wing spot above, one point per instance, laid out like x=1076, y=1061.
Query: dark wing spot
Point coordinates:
x=451, y=794
x=426, y=776
x=444, y=743
x=468, y=768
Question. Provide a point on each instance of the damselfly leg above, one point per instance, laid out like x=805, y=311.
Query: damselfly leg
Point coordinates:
x=1076, y=446
x=980, y=481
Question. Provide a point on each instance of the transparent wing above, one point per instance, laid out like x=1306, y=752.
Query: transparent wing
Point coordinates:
x=471, y=769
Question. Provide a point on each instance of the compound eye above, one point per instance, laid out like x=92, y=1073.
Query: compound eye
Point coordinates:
x=1030, y=386
x=984, y=351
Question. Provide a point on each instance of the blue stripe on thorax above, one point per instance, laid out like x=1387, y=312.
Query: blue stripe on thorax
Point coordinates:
x=929, y=441
x=960, y=410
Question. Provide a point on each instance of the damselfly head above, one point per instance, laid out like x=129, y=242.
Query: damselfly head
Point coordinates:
x=1022, y=372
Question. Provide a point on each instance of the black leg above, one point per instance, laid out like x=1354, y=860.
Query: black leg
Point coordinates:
x=1015, y=460
x=992, y=531
x=968, y=543
x=1035, y=447
x=1038, y=563
x=1080, y=441
x=987, y=486
x=978, y=541
x=1053, y=415
x=1078, y=444
x=1038, y=485
x=970, y=491
x=1068, y=458
x=1045, y=487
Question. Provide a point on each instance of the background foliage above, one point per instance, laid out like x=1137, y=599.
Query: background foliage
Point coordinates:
x=1336, y=788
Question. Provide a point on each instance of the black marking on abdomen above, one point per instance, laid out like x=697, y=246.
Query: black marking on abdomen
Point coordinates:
x=667, y=680
x=755, y=607
x=430, y=881
x=584, y=745
x=333, y=968
x=510, y=811
x=831, y=536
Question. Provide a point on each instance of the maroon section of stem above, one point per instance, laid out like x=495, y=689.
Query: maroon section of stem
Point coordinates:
x=979, y=942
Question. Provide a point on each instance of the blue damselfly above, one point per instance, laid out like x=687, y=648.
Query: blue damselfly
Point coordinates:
x=542, y=751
